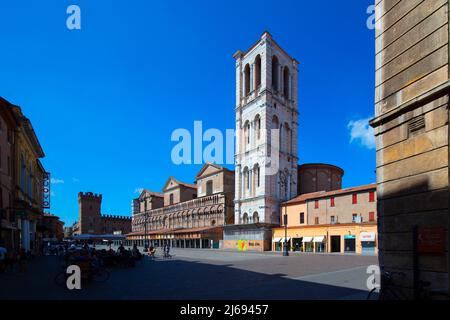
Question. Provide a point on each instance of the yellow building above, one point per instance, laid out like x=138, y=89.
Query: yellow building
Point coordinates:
x=341, y=221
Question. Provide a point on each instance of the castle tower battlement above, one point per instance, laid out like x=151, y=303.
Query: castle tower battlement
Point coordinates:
x=91, y=221
x=89, y=196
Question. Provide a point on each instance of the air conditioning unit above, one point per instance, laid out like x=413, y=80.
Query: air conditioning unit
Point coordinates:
x=357, y=219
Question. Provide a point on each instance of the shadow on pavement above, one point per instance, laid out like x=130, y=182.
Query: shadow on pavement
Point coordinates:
x=170, y=279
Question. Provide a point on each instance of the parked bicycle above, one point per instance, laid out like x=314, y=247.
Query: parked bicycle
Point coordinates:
x=95, y=274
x=388, y=291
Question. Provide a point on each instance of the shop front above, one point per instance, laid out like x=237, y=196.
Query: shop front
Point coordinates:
x=195, y=238
x=349, y=243
x=343, y=238
x=297, y=244
x=319, y=244
x=277, y=246
x=368, y=243
x=308, y=244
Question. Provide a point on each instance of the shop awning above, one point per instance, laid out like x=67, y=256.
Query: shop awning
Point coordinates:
x=307, y=239
x=319, y=239
x=276, y=240
x=367, y=236
x=285, y=239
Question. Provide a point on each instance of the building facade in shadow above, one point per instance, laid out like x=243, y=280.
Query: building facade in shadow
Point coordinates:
x=411, y=129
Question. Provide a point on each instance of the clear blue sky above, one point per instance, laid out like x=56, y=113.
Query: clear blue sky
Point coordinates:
x=105, y=99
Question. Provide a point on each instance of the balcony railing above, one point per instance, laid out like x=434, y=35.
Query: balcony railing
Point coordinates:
x=214, y=199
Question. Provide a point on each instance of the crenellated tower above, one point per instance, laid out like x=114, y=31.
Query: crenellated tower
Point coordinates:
x=89, y=212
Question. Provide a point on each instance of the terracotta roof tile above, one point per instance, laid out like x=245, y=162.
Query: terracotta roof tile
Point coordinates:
x=325, y=194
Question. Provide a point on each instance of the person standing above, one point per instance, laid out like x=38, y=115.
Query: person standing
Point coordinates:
x=3, y=253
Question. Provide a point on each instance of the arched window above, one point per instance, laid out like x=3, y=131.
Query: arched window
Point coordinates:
x=275, y=67
x=256, y=170
x=258, y=71
x=245, y=218
x=275, y=124
x=255, y=217
x=246, y=178
x=287, y=137
x=247, y=132
x=286, y=82
x=247, y=80
x=213, y=223
x=209, y=187
x=258, y=126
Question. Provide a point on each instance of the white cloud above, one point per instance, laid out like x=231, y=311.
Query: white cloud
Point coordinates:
x=56, y=181
x=362, y=132
x=138, y=190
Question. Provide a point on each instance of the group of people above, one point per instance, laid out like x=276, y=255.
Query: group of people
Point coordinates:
x=152, y=250
x=10, y=259
x=97, y=258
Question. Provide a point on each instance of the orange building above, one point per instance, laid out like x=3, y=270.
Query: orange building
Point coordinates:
x=340, y=221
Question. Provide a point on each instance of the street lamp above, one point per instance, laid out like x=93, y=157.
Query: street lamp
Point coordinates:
x=285, y=249
x=284, y=182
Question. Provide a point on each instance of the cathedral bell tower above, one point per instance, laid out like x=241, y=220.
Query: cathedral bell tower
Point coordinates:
x=266, y=139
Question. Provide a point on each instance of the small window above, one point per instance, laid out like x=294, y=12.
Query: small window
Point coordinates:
x=171, y=199
x=371, y=216
x=209, y=187
x=354, y=198
x=332, y=202
x=333, y=219
x=316, y=204
x=258, y=179
x=372, y=196
x=354, y=218
x=302, y=217
x=316, y=220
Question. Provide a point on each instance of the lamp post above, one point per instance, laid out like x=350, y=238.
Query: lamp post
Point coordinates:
x=285, y=249
x=284, y=182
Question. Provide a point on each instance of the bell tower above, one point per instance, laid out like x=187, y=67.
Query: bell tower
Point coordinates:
x=266, y=126
x=266, y=136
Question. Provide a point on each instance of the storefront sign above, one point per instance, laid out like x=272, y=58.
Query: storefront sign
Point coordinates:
x=430, y=240
x=46, y=191
x=367, y=236
x=242, y=245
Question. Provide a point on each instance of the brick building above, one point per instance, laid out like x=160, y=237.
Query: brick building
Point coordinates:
x=52, y=228
x=313, y=177
x=91, y=221
x=411, y=130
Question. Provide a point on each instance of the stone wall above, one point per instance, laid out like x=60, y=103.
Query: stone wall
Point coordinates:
x=411, y=129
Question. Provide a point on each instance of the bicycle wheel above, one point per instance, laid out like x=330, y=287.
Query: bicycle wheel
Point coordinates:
x=101, y=275
x=371, y=294
x=61, y=279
